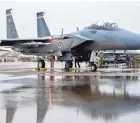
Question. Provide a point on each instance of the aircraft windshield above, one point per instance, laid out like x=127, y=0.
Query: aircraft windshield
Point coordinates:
x=104, y=26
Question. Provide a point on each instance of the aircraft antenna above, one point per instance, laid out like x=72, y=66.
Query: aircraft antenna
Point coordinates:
x=62, y=31
x=77, y=29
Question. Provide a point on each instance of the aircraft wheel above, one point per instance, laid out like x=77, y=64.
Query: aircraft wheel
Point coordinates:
x=68, y=65
x=93, y=67
x=41, y=64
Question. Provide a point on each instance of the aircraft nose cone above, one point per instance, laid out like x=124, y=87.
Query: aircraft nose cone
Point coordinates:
x=129, y=36
x=130, y=39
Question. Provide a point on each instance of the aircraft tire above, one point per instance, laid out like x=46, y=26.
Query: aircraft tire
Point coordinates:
x=93, y=67
x=68, y=65
x=41, y=64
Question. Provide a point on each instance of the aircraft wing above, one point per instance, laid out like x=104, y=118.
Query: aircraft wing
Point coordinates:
x=33, y=47
x=26, y=39
x=43, y=39
x=11, y=42
x=34, y=44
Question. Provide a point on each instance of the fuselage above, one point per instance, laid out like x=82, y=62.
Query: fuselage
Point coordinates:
x=111, y=40
x=83, y=41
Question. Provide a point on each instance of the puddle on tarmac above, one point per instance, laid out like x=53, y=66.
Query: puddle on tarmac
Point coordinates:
x=41, y=99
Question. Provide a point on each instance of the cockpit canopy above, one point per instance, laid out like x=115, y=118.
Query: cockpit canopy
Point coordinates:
x=104, y=26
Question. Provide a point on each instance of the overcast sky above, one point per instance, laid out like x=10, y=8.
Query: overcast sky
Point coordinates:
x=69, y=15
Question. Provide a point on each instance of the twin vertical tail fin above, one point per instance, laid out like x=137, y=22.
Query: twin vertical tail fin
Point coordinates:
x=42, y=28
x=11, y=28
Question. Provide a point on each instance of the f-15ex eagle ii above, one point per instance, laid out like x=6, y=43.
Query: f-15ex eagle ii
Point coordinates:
x=81, y=43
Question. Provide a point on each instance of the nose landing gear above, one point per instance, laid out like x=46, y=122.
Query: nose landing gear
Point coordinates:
x=93, y=67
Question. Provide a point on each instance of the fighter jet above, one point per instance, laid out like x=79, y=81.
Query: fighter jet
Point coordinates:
x=107, y=36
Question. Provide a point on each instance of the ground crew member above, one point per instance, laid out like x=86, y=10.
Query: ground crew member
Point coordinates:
x=96, y=58
x=117, y=60
x=52, y=61
x=100, y=60
x=128, y=61
x=77, y=59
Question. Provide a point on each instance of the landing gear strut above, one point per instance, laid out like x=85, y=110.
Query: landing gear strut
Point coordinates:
x=68, y=65
x=93, y=67
x=41, y=64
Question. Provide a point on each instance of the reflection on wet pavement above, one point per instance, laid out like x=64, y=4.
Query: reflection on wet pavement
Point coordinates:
x=41, y=99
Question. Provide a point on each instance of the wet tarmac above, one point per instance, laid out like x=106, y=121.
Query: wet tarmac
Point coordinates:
x=49, y=97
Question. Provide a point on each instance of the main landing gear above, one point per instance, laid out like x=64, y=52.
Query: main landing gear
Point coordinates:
x=68, y=65
x=41, y=64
